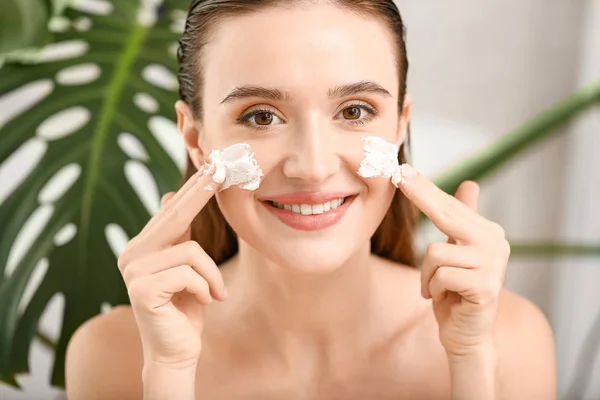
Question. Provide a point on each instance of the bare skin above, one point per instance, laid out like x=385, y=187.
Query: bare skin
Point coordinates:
x=407, y=362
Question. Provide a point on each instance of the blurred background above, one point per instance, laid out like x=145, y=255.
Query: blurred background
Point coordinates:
x=478, y=71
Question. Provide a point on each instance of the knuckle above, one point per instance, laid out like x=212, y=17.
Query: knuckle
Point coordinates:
x=128, y=273
x=169, y=212
x=123, y=261
x=493, y=287
x=136, y=293
x=434, y=251
x=172, y=213
x=198, y=285
x=192, y=248
x=125, y=258
x=188, y=273
x=203, y=284
x=442, y=274
x=500, y=252
x=165, y=198
x=498, y=230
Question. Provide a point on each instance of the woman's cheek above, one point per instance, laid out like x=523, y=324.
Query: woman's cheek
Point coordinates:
x=236, y=206
x=380, y=192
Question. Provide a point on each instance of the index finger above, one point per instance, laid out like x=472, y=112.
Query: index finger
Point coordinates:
x=173, y=197
x=452, y=217
x=468, y=194
x=175, y=218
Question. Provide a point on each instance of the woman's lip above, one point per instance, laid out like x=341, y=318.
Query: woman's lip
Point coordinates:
x=312, y=222
x=307, y=197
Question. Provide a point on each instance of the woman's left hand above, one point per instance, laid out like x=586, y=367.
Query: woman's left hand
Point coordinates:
x=464, y=276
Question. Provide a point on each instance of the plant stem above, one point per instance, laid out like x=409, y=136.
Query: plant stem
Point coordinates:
x=553, y=249
x=493, y=156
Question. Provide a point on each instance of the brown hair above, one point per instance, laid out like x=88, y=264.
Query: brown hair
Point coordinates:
x=393, y=239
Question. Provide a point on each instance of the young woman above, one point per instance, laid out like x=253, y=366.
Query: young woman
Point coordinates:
x=317, y=294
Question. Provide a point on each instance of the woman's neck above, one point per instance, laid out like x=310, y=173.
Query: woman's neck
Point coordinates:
x=301, y=308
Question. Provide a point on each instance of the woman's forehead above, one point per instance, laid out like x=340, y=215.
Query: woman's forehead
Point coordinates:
x=299, y=47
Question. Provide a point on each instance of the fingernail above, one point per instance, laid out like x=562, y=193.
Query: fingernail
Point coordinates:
x=397, y=176
x=403, y=174
x=209, y=170
x=219, y=174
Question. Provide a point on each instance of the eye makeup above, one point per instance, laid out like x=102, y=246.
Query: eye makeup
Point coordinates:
x=268, y=116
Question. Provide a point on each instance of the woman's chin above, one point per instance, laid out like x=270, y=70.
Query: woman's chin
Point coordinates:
x=315, y=258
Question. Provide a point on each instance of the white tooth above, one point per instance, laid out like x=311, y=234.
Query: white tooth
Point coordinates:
x=296, y=208
x=341, y=201
x=327, y=206
x=305, y=209
x=287, y=207
x=334, y=204
x=317, y=209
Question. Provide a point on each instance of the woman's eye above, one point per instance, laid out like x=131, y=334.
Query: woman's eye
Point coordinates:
x=358, y=113
x=352, y=113
x=259, y=119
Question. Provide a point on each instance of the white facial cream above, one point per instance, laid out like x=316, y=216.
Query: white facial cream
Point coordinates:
x=380, y=160
x=237, y=166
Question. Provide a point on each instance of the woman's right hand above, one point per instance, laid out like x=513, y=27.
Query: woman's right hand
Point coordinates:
x=170, y=279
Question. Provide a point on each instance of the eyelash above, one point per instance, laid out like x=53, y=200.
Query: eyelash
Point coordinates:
x=245, y=119
x=371, y=113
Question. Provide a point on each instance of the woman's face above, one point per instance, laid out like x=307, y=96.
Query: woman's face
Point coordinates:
x=302, y=86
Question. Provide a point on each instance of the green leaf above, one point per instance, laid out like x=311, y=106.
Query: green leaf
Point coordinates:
x=83, y=269
x=23, y=24
x=497, y=154
x=59, y=6
x=554, y=249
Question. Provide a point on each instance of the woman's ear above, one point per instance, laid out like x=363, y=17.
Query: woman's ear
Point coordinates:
x=404, y=120
x=186, y=124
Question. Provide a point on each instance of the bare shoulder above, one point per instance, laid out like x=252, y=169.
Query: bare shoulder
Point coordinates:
x=104, y=358
x=524, y=340
x=525, y=349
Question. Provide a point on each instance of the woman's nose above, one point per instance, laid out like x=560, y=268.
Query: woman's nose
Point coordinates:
x=312, y=156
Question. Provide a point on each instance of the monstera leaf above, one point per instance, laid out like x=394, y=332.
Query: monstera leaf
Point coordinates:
x=27, y=25
x=23, y=24
x=104, y=95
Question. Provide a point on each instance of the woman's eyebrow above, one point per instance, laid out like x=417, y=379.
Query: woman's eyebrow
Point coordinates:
x=246, y=91
x=350, y=89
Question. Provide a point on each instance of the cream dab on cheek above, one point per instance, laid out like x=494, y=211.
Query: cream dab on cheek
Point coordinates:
x=380, y=160
x=236, y=166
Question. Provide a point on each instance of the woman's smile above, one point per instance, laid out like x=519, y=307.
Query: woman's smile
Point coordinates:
x=310, y=211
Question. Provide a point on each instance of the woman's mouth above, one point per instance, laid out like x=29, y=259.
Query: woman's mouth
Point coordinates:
x=310, y=211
